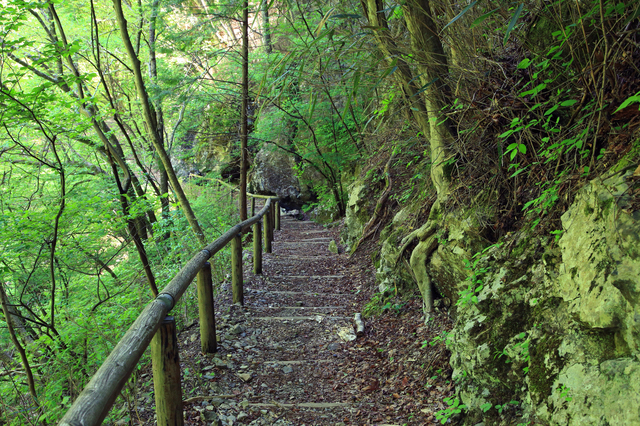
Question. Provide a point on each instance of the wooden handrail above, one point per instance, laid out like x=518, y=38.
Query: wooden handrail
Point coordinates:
x=95, y=400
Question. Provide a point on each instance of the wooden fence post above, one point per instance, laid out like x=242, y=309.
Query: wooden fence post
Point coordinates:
x=166, y=374
x=272, y=215
x=236, y=269
x=277, y=215
x=268, y=232
x=207, y=314
x=257, y=248
x=253, y=206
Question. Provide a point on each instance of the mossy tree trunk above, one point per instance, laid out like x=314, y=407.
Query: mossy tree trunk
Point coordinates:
x=426, y=96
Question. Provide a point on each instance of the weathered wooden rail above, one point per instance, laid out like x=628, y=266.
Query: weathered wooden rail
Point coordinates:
x=154, y=327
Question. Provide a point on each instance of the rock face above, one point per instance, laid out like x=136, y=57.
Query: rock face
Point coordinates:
x=360, y=206
x=357, y=212
x=548, y=326
x=274, y=172
x=556, y=325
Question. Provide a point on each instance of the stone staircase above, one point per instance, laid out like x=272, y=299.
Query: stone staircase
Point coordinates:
x=280, y=354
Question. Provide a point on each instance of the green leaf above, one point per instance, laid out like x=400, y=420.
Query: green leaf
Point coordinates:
x=568, y=103
x=512, y=24
x=506, y=134
x=517, y=172
x=522, y=148
x=482, y=18
x=551, y=110
x=323, y=21
x=524, y=64
x=539, y=88
x=628, y=101
x=313, y=103
x=460, y=15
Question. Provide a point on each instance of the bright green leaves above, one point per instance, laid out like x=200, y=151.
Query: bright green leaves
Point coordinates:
x=568, y=103
x=514, y=148
x=524, y=64
x=630, y=100
x=454, y=407
x=533, y=92
x=475, y=279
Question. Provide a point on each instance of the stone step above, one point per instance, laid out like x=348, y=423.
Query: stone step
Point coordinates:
x=284, y=273
x=295, y=382
x=292, y=298
x=312, y=239
x=286, y=338
x=317, y=318
x=297, y=362
x=283, y=311
x=293, y=243
x=302, y=293
x=323, y=286
x=322, y=256
x=300, y=404
x=313, y=277
x=301, y=307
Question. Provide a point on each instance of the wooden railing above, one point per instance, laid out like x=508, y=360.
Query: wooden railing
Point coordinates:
x=154, y=327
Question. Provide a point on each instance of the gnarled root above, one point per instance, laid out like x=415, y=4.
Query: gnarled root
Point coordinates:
x=378, y=216
x=427, y=243
x=419, y=258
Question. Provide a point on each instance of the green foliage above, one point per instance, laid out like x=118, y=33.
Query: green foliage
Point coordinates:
x=454, y=407
x=380, y=303
x=564, y=392
x=475, y=286
x=441, y=338
x=630, y=100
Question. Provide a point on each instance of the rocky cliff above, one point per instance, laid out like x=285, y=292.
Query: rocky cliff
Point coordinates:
x=547, y=326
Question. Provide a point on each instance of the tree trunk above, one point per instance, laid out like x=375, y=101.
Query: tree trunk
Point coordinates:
x=152, y=124
x=432, y=65
x=153, y=74
x=266, y=29
x=14, y=338
x=245, y=109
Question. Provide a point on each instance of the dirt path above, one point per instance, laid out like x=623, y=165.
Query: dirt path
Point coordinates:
x=281, y=361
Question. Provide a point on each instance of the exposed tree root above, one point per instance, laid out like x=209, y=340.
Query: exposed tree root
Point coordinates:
x=427, y=244
x=379, y=212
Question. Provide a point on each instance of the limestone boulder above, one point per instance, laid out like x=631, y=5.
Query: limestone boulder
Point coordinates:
x=275, y=172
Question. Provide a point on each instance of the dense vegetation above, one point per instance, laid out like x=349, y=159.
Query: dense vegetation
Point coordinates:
x=499, y=108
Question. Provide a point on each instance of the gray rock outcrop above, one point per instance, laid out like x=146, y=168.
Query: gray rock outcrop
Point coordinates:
x=275, y=172
x=556, y=324
x=547, y=325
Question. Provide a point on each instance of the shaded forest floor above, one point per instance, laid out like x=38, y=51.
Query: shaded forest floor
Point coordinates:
x=280, y=358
